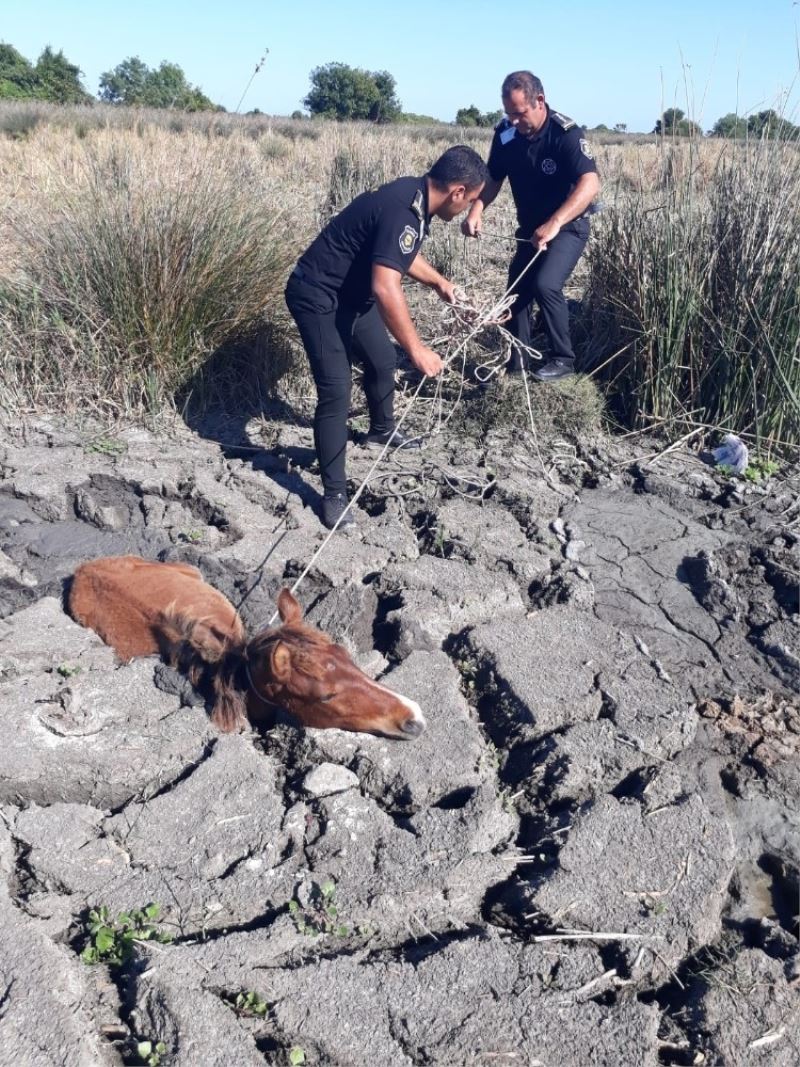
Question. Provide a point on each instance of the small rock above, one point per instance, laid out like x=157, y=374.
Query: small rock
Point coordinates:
x=329, y=778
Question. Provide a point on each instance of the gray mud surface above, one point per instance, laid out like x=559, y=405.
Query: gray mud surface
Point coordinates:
x=591, y=857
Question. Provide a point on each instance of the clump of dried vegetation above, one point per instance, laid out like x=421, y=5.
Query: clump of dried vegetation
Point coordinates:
x=146, y=255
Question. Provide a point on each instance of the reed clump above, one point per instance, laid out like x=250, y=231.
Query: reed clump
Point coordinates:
x=693, y=298
x=131, y=269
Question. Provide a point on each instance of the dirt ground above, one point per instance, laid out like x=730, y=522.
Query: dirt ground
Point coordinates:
x=592, y=855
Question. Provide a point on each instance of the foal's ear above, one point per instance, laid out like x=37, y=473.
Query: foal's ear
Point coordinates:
x=280, y=662
x=288, y=608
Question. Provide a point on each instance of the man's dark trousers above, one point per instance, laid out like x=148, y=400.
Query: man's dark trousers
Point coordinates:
x=333, y=336
x=544, y=283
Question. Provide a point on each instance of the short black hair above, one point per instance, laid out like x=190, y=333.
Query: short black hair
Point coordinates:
x=459, y=165
x=529, y=85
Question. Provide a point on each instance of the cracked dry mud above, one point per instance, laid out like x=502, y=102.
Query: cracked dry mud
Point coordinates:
x=592, y=855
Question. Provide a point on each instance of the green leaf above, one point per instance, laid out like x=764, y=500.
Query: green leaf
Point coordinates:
x=143, y=1049
x=296, y=1056
x=152, y=911
x=104, y=939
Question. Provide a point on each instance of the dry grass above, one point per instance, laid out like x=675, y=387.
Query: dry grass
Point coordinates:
x=146, y=253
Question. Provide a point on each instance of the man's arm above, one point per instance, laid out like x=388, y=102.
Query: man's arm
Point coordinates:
x=387, y=288
x=471, y=226
x=586, y=189
x=421, y=271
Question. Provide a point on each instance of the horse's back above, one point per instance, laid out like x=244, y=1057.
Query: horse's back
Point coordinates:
x=124, y=600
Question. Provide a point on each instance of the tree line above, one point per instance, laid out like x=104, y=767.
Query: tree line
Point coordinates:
x=762, y=124
x=54, y=79
x=338, y=91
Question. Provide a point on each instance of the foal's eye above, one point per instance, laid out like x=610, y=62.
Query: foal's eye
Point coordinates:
x=330, y=666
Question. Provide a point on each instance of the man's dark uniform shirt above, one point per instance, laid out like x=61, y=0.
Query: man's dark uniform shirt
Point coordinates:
x=386, y=227
x=542, y=169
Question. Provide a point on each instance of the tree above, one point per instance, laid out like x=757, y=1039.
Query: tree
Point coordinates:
x=133, y=83
x=58, y=80
x=342, y=92
x=730, y=125
x=53, y=78
x=125, y=83
x=471, y=116
x=770, y=124
x=674, y=123
x=764, y=124
x=388, y=108
x=620, y=127
x=17, y=76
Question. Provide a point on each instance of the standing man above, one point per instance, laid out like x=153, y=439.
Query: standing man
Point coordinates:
x=553, y=177
x=347, y=289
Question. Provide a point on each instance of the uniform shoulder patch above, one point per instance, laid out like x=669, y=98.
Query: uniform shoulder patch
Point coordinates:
x=586, y=148
x=564, y=121
x=408, y=238
x=507, y=134
x=417, y=205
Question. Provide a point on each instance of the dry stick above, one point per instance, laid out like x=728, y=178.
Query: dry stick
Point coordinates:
x=259, y=65
x=588, y=935
x=596, y=981
x=675, y=444
x=769, y=1038
x=662, y=892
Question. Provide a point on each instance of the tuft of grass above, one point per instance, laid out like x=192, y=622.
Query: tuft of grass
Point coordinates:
x=250, y=1003
x=19, y=121
x=146, y=266
x=573, y=407
x=320, y=916
x=352, y=173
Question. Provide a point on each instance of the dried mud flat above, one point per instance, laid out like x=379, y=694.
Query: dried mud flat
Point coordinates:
x=590, y=857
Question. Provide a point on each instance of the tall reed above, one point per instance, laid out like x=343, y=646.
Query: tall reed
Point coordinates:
x=694, y=293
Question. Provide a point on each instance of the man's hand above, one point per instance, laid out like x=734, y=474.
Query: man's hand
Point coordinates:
x=446, y=291
x=427, y=361
x=545, y=233
x=471, y=226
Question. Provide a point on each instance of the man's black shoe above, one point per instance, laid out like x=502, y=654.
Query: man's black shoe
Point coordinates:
x=332, y=510
x=555, y=369
x=378, y=438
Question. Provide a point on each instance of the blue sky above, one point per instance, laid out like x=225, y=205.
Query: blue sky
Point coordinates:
x=600, y=62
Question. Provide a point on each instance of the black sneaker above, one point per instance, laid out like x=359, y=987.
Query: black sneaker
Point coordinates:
x=333, y=507
x=555, y=369
x=378, y=438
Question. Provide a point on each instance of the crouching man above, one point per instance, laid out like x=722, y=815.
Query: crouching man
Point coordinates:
x=346, y=290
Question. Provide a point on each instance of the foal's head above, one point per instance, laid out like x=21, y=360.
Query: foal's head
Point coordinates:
x=302, y=670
